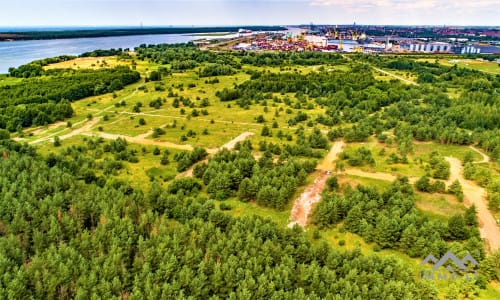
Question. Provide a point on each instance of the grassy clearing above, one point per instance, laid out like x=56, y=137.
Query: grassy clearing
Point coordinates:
x=6, y=80
x=438, y=206
x=475, y=64
x=492, y=292
x=445, y=150
x=87, y=63
x=139, y=174
x=479, y=65
x=248, y=209
x=353, y=181
x=380, y=153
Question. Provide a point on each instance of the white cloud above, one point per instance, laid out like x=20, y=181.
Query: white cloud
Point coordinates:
x=407, y=4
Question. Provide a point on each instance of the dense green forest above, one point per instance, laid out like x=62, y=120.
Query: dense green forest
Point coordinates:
x=63, y=238
x=45, y=97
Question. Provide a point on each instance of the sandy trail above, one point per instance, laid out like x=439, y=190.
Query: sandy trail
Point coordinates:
x=230, y=145
x=39, y=130
x=141, y=141
x=473, y=194
x=485, y=159
x=304, y=203
x=75, y=132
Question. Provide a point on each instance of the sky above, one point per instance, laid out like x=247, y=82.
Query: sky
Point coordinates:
x=15, y=13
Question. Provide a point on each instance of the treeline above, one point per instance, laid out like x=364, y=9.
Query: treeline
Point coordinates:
x=35, y=68
x=62, y=238
x=89, y=33
x=105, y=52
x=40, y=101
x=187, y=56
x=216, y=70
x=306, y=58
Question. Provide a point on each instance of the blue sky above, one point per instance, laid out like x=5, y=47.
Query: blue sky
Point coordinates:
x=238, y=12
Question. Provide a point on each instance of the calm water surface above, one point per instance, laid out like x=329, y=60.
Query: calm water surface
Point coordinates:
x=16, y=53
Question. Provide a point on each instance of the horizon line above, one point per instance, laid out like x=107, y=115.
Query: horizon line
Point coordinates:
x=238, y=25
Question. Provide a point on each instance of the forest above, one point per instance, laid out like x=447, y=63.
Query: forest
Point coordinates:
x=45, y=97
x=179, y=181
x=63, y=238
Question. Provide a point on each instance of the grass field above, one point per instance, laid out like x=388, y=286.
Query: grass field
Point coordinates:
x=491, y=67
x=87, y=63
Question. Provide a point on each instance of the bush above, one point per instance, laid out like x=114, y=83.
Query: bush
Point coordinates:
x=494, y=201
x=4, y=134
x=456, y=189
x=225, y=206
x=57, y=142
x=332, y=183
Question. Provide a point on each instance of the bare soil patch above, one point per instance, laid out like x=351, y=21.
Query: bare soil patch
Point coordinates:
x=303, y=205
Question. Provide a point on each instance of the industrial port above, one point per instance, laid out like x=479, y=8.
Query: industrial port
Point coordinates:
x=371, y=40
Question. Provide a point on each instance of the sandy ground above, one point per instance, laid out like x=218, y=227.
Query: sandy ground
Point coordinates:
x=473, y=194
x=138, y=140
x=230, y=145
x=74, y=132
x=43, y=129
x=303, y=205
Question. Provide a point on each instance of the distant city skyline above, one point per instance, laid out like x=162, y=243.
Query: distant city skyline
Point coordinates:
x=246, y=12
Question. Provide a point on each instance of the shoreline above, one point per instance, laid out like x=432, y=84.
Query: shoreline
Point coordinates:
x=93, y=33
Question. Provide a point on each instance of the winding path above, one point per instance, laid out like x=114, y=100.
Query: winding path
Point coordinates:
x=473, y=194
x=485, y=159
x=77, y=131
x=139, y=140
x=304, y=203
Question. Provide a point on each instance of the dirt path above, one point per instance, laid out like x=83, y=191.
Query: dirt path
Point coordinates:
x=395, y=76
x=39, y=130
x=141, y=141
x=328, y=162
x=303, y=205
x=230, y=145
x=473, y=194
x=77, y=131
x=486, y=158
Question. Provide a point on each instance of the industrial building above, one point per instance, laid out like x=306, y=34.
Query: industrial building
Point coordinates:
x=434, y=47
